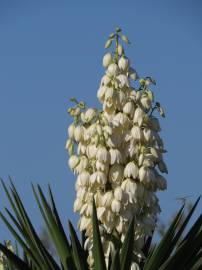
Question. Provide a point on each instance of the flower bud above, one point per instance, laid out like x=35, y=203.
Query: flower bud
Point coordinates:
x=120, y=49
x=107, y=59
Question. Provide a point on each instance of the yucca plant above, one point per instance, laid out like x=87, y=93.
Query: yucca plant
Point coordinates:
x=117, y=154
x=168, y=254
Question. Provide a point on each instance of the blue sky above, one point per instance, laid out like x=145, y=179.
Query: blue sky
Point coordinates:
x=52, y=50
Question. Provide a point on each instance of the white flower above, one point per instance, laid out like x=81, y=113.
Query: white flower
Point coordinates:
x=128, y=108
x=146, y=175
x=71, y=131
x=105, y=80
x=137, y=133
x=102, y=166
x=131, y=170
x=103, y=155
x=107, y=199
x=81, y=148
x=78, y=133
x=112, y=70
x=73, y=162
x=116, y=173
x=116, y=156
x=83, y=179
x=120, y=99
x=101, y=93
x=82, y=164
x=91, y=151
x=120, y=119
x=146, y=102
x=98, y=178
x=90, y=114
x=116, y=206
x=147, y=134
x=134, y=266
x=139, y=116
x=81, y=192
x=123, y=63
x=69, y=144
x=77, y=204
x=109, y=93
x=107, y=59
x=123, y=80
x=130, y=187
x=83, y=223
x=118, y=193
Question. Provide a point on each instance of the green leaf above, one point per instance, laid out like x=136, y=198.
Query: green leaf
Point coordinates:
x=13, y=259
x=183, y=226
x=184, y=254
x=98, y=254
x=54, y=227
x=78, y=252
x=116, y=262
x=155, y=261
x=127, y=247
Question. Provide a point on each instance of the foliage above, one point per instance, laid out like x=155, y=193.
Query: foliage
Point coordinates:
x=169, y=254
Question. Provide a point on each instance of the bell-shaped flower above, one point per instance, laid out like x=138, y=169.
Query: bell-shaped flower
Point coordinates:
x=78, y=133
x=116, y=156
x=99, y=178
x=112, y=70
x=123, y=63
x=131, y=170
x=73, y=162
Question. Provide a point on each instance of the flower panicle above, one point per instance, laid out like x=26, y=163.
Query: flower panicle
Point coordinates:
x=117, y=153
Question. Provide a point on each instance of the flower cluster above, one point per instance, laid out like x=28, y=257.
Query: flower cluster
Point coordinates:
x=117, y=154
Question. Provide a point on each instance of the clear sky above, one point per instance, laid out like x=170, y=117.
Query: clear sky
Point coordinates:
x=52, y=50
